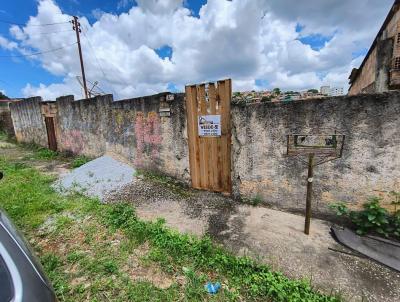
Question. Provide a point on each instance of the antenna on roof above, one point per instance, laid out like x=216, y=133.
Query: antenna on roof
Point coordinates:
x=94, y=91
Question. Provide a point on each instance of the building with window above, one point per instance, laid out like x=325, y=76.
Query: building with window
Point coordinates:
x=336, y=91
x=380, y=70
x=326, y=90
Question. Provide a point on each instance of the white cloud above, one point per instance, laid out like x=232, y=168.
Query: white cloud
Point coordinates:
x=6, y=44
x=242, y=39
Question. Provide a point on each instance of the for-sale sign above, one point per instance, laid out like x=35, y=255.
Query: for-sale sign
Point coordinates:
x=209, y=125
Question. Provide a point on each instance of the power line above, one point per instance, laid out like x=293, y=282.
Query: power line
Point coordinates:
x=97, y=60
x=94, y=53
x=21, y=24
x=48, y=33
x=38, y=53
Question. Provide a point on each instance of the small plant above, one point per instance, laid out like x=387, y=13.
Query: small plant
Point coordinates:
x=80, y=161
x=256, y=200
x=3, y=136
x=372, y=219
x=44, y=153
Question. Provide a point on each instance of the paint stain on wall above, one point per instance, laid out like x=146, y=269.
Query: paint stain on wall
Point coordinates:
x=73, y=141
x=148, y=138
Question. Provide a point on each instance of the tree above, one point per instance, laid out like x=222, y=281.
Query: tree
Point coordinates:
x=312, y=91
x=3, y=96
x=276, y=91
x=265, y=99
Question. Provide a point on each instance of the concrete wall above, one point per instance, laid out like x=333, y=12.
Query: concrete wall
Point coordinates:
x=371, y=156
x=150, y=133
x=132, y=128
x=82, y=126
x=138, y=132
x=6, y=124
x=28, y=123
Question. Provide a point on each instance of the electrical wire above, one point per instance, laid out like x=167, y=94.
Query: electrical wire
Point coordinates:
x=21, y=24
x=48, y=33
x=98, y=61
x=39, y=53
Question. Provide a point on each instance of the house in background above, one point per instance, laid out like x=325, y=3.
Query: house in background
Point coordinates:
x=380, y=70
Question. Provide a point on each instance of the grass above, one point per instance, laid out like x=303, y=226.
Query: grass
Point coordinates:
x=80, y=160
x=104, y=252
x=174, y=185
x=47, y=154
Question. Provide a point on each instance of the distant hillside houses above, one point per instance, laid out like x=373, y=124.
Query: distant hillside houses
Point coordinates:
x=277, y=96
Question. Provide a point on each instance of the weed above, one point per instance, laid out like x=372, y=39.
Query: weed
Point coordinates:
x=28, y=198
x=256, y=200
x=80, y=161
x=3, y=136
x=372, y=219
x=44, y=153
x=174, y=185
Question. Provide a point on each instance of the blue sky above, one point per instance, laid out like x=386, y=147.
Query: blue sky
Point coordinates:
x=16, y=72
x=327, y=46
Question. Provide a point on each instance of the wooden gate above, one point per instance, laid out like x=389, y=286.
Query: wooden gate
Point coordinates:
x=210, y=156
x=51, y=133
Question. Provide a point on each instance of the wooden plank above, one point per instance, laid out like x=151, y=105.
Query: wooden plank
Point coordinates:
x=214, y=164
x=203, y=141
x=191, y=111
x=210, y=158
x=224, y=91
x=229, y=136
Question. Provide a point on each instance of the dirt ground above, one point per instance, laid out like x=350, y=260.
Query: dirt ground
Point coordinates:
x=54, y=167
x=271, y=236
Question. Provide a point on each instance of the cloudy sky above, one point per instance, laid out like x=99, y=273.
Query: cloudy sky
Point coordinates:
x=142, y=47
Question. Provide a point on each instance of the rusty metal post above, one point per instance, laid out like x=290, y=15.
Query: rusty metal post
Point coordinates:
x=309, y=194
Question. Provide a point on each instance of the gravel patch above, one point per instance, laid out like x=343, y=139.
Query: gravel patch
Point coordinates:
x=97, y=178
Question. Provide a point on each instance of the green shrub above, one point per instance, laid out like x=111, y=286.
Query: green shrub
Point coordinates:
x=372, y=219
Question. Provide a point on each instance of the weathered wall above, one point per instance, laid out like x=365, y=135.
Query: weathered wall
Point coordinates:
x=28, y=123
x=384, y=50
x=83, y=124
x=366, y=78
x=137, y=131
x=150, y=133
x=6, y=124
x=132, y=128
x=371, y=156
x=374, y=75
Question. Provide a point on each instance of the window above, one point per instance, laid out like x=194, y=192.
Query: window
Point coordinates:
x=396, y=63
x=398, y=39
x=6, y=286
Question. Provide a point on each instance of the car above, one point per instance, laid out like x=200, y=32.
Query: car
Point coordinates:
x=21, y=276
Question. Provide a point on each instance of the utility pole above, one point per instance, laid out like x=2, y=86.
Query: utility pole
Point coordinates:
x=77, y=27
